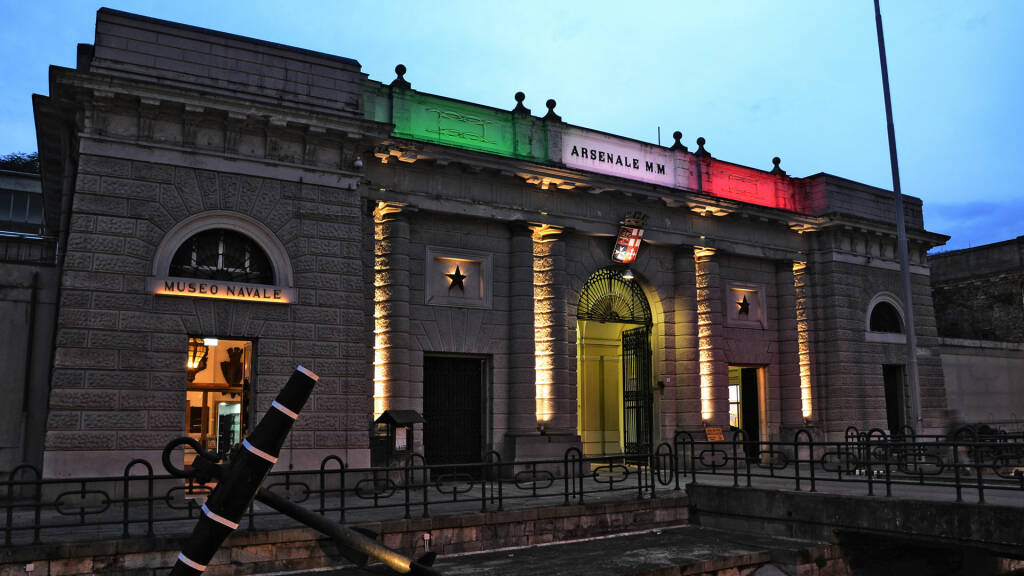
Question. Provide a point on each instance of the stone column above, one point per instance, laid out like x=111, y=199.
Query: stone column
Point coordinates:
x=556, y=408
x=714, y=371
x=808, y=403
x=391, y=386
x=565, y=420
x=789, y=357
x=686, y=382
x=522, y=406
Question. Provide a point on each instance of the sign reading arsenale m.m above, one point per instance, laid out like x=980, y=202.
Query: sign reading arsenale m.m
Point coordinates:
x=615, y=156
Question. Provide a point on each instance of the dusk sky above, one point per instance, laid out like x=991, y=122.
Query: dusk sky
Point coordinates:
x=795, y=79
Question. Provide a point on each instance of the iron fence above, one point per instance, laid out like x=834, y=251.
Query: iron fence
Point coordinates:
x=954, y=465
x=139, y=502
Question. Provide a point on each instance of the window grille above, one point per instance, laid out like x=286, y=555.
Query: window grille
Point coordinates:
x=223, y=255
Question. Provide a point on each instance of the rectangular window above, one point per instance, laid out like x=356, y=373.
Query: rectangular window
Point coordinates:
x=21, y=212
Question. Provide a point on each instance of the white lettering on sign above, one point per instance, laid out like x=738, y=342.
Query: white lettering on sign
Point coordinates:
x=615, y=156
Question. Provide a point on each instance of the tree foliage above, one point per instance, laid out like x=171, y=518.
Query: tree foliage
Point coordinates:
x=20, y=162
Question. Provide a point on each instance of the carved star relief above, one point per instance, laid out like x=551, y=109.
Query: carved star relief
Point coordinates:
x=744, y=306
x=456, y=279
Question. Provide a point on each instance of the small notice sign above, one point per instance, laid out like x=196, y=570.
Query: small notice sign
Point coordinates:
x=714, y=433
x=401, y=438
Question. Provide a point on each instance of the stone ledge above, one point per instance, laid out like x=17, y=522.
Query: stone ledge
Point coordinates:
x=302, y=548
x=990, y=344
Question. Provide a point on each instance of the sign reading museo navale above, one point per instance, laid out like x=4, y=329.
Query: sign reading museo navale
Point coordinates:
x=197, y=288
x=614, y=156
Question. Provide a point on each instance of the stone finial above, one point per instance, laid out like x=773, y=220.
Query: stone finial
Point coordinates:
x=775, y=168
x=678, y=145
x=400, y=81
x=700, y=148
x=551, y=111
x=520, y=109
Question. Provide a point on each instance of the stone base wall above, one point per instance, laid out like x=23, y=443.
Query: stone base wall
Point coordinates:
x=982, y=381
x=304, y=549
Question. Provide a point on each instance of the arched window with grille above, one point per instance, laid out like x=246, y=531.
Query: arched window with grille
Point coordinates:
x=223, y=255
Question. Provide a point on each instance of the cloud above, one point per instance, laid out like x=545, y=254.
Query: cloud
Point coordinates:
x=972, y=224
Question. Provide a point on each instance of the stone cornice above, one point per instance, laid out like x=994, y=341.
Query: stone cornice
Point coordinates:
x=112, y=89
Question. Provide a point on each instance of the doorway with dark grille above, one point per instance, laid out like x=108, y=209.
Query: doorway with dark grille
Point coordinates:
x=453, y=409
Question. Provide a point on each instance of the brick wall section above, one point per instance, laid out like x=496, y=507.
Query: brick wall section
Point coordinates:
x=186, y=57
x=119, y=361
x=986, y=307
x=979, y=292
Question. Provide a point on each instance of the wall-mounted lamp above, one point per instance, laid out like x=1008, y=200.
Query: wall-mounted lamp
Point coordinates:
x=197, y=353
x=358, y=163
x=627, y=274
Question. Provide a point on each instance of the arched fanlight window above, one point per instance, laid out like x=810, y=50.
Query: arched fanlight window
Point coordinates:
x=609, y=297
x=224, y=255
x=885, y=318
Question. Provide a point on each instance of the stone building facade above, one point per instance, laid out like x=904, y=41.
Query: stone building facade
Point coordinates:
x=235, y=204
x=979, y=292
x=28, y=294
x=979, y=311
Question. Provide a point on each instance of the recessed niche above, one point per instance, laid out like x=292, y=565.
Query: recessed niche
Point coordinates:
x=744, y=305
x=457, y=278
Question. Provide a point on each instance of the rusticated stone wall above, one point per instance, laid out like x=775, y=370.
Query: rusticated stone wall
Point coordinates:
x=118, y=388
x=979, y=292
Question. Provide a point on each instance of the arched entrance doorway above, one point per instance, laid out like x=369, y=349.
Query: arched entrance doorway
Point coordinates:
x=615, y=402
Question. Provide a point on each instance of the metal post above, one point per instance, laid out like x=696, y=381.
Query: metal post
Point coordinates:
x=354, y=545
x=901, y=232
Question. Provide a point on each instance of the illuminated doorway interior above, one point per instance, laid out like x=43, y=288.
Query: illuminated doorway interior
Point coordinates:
x=746, y=402
x=614, y=397
x=218, y=395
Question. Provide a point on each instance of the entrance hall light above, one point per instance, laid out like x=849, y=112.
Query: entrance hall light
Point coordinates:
x=627, y=274
x=196, y=360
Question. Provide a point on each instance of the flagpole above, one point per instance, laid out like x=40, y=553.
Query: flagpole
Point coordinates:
x=901, y=233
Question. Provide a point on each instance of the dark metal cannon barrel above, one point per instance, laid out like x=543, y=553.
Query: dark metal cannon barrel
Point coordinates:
x=239, y=482
x=240, y=479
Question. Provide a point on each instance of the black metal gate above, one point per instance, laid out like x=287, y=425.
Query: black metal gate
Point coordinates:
x=637, y=398
x=452, y=409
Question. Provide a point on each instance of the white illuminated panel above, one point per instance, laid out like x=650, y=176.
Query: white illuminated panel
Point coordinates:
x=605, y=154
